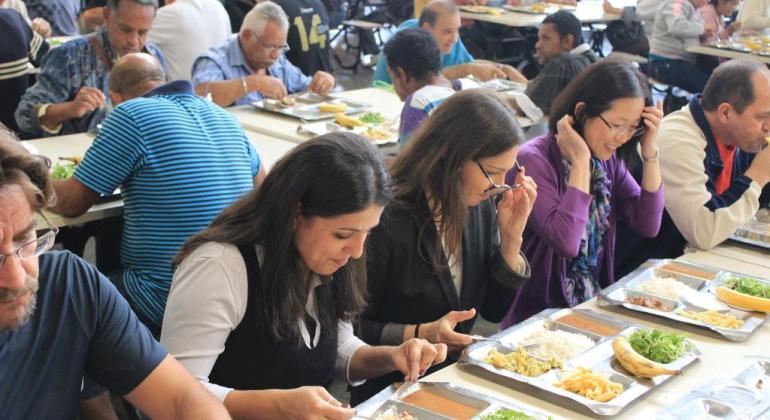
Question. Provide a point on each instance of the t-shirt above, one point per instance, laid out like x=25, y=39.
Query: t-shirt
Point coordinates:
x=420, y=104
x=61, y=14
x=19, y=46
x=81, y=326
x=308, y=35
x=180, y=160
x=176, y=30
x=456, y=56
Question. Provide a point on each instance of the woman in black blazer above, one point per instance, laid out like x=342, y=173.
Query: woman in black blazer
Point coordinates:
x=423, y=283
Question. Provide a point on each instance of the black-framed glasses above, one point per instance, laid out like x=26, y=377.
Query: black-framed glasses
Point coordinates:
x=35, y=247
x=628, y=132
x=496, y=189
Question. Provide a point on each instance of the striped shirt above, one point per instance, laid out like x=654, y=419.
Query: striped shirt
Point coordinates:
x=421, y=103
x=19, y=46
x=180, y=161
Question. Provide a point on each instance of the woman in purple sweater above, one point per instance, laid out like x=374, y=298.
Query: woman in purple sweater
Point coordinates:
x=584, y=186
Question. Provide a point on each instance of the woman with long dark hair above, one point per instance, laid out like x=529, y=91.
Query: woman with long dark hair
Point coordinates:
x=596, y=123
x=443, y=249
x=263, y=298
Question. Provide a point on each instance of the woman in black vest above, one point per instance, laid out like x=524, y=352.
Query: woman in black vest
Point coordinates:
x=263, y=298
x=443, y=251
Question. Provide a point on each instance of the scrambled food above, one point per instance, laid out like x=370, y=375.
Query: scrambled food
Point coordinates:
x=590, y=385
x=713, y=317
x=658, y=346
x=518, y=361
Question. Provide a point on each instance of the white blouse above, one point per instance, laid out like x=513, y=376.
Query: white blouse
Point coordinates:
x=206, y=303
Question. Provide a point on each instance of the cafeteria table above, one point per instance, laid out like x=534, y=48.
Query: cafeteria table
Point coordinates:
x=283, y=127
x=719, y=356
x=588, y=12
x=269, y=149
x=724, y=53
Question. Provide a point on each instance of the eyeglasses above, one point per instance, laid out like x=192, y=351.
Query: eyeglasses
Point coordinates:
x=270, y=48
x=497, y=189
x=625, y=131
x=35, y=247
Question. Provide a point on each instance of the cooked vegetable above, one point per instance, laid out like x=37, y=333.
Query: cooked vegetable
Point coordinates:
x=63, y=171
x=506, y=414
x=749, y=286
x=658, y=346
x=518, y=361
x=372, y=118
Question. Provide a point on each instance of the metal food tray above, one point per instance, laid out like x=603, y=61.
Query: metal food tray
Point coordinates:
x=485, y=404
x=756, y=231
x=618, y=293
x=306, y=106
x=743, y=396
x=599, y=359
x=528, y=9
x=482, y=10
x=502, y=85
x=319, y=128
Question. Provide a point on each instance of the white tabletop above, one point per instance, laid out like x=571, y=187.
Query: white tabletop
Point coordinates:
x=587, y=12
x=269, y=149
x=718, y=357
x=724, y=53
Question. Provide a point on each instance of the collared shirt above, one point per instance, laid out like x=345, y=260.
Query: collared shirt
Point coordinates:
x=61, y=14
x=180, y=160
x=456, y=56
x=66, y=69
x=226, y=62
x=196, y=334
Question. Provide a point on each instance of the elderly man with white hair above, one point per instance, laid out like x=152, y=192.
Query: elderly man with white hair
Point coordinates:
x=252, y=66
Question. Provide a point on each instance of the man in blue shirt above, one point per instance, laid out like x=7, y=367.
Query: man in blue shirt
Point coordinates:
x=179, y=159
x=252, y=66
x=442, y=19
x=70, y=95
x=61, y=319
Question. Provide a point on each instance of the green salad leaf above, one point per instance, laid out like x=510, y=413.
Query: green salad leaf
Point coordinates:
x=658, y=346
x=507, y=414
x=372, y=118
x=63, y=171
x=749, y=286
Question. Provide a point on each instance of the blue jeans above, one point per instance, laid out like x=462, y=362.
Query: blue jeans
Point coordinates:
x=678, y=73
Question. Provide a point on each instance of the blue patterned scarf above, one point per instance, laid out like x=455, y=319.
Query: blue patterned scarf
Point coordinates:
x=581, y=284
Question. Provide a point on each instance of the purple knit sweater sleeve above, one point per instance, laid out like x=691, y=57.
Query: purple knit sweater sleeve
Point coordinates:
x=642, y=209
x=560, y=213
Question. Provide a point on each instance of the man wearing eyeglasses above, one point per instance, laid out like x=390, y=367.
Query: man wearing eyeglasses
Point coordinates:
x=61, y=319
x=252, y=65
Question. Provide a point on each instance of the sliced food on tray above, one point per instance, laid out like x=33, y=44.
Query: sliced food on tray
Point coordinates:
x=745, y=293
x=712, y=317
x=592, y=385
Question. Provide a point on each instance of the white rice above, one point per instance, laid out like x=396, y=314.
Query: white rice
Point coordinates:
x=666, y=287
x=557, y=344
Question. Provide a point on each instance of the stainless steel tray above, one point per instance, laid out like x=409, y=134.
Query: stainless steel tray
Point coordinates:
x=628, y=287
x=549, y=9
x=318, y=128
x=756, y=231
x=745, y=395
x=306, y=106
x=599, y=359
x=482, y=404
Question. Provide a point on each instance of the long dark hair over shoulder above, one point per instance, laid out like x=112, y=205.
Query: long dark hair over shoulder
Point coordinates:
x=330, y=175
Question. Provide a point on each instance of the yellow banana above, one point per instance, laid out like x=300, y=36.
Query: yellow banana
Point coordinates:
x=347, y=121
x=742, y=300
x=332, y=107
x=637, y=364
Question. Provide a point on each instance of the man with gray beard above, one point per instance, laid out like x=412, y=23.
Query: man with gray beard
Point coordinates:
x=61, y=319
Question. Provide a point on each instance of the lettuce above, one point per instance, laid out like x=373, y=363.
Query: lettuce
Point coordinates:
x=658, y=346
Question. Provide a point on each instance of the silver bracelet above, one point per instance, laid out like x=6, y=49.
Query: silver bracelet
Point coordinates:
x=653, y=158
x=245, y=85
